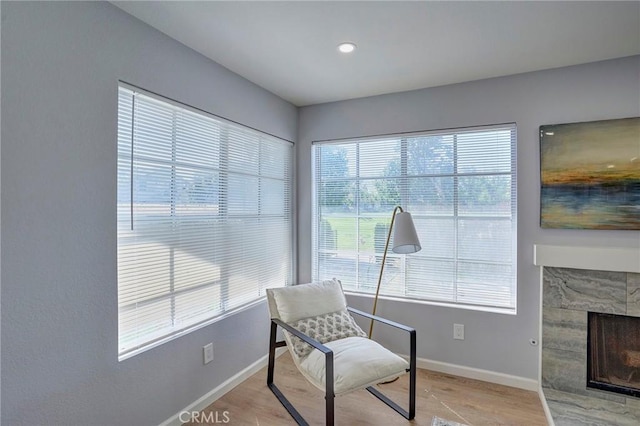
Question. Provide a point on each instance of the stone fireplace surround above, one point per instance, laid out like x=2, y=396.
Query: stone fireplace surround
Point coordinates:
x=576, y=280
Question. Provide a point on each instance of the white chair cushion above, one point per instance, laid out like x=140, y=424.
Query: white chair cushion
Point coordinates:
x=294, y=303
x=357, y=361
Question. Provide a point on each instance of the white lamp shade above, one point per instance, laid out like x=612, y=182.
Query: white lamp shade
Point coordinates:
x=405, y=237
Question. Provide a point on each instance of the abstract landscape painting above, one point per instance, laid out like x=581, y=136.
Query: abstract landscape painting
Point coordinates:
x=590, y=175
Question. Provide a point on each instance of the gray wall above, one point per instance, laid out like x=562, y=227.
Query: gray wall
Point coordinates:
x=60, y=67
x=61, y=63
x=594, y=91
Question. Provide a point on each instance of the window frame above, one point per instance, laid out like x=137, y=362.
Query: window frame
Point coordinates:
x=224, y=215
x=403, y=137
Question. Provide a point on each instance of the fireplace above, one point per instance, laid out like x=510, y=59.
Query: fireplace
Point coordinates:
x=576, y=281
x=613, y=353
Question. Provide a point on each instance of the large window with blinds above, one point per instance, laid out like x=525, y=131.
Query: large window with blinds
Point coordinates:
x=459, y=186
x=204, y=218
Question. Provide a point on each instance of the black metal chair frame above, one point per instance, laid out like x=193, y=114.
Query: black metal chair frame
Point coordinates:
x=329, y=393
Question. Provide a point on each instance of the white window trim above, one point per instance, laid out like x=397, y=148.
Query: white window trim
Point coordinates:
x=289, y=218
x=476, y=307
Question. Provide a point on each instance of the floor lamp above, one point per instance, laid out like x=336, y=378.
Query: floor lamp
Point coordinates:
x=405, y=241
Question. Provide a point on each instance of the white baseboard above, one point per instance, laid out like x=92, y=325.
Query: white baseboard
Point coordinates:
x=545, y=407
x=478, y=374
x=216, y=393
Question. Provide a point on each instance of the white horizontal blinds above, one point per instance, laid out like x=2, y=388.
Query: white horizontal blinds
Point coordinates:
x=463, y=200
x=487, y=218
x=204, y=218
x=460, y=188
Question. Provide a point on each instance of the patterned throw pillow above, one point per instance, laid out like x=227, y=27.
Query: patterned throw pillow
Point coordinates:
x=325, y=328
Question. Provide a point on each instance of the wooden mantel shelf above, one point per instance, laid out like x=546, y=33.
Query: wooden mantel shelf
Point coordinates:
x=619, y=259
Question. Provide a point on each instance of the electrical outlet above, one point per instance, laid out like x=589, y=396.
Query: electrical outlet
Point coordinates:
x=207, y=353
x=458, y=331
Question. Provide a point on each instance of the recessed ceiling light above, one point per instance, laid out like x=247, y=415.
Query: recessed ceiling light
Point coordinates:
x=346, y=47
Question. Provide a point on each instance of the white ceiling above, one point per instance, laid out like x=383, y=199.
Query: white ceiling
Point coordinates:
x=289, y=48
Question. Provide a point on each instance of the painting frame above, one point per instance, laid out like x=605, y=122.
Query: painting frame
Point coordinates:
x=590, y=175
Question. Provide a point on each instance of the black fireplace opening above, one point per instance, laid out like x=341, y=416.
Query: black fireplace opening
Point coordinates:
x=613, y=353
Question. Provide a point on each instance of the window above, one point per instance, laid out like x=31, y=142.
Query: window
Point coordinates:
x=459, y=186
x=204, y=218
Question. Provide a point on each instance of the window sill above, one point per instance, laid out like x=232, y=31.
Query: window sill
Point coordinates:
x=147, y=346
x=490, y=309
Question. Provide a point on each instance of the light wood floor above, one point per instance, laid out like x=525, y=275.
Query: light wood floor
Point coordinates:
x=452, y=398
